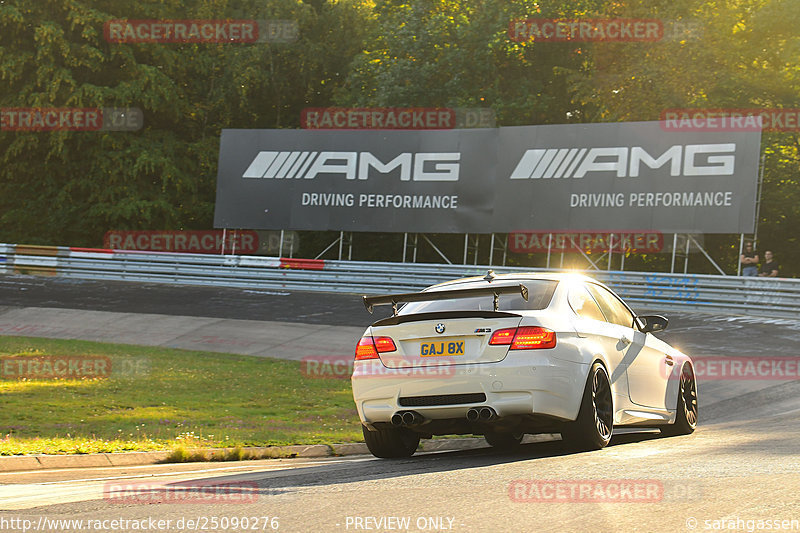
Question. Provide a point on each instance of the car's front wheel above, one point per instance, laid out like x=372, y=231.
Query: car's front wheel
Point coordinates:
x=686, y=415
x=391, y=443
x=592, y=429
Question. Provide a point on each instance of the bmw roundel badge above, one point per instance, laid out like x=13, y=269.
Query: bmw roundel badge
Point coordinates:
x=439, y=328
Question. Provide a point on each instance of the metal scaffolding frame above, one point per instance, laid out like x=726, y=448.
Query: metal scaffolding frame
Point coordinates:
x=415, y=244
x=758, y=214
x=471, y=245
x=411, y=244
x=345, y=238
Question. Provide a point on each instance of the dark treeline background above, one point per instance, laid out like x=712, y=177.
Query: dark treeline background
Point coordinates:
x=69, y=188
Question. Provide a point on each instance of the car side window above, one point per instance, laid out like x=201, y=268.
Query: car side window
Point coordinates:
x=612, y=307
x=583, y=304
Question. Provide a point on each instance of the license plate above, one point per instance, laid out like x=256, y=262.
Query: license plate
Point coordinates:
x=442, y=348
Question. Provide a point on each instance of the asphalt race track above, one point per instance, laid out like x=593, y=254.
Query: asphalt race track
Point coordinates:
x=740, y=471
x=242, y=304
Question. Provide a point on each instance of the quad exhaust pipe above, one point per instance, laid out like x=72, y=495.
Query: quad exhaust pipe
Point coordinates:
x=407, y=418
x=413, y=418
x=481, y=414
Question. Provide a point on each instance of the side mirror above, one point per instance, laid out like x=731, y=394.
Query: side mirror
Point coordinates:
x=651, y=323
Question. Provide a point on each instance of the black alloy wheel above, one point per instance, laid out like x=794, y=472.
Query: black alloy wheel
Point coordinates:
x=602, y=403
x=594, y=426
x=686, y=409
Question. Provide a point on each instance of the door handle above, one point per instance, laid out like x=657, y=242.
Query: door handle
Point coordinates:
x=625, y=340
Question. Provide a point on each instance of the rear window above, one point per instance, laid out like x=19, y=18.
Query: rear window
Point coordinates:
x=540, y=292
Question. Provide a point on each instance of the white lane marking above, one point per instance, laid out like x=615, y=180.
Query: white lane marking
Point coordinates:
x=251, y=467
x=273, y=293
x=16, y=497
x=28, y=495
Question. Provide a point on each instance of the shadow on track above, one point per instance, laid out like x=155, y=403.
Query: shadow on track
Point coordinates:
x=369, y=469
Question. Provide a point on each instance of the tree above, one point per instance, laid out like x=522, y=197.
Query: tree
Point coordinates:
x=68, y=187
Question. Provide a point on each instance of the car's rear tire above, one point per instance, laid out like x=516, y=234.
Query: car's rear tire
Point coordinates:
x=686, y=415
x=391, y=443
x=593, y=428
x=503, y=440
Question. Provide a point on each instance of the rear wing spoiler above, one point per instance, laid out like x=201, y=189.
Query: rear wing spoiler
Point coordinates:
x=394, y=299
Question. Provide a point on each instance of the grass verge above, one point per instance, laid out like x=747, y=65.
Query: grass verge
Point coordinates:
x=166, y=399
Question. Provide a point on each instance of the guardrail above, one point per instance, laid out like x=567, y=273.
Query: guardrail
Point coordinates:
x=739, y=295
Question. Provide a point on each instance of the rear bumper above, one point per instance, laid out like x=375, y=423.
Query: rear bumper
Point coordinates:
x=524, y=383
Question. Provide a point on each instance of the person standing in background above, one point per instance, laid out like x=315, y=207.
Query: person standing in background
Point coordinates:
x=749, y=260
x=769, y=268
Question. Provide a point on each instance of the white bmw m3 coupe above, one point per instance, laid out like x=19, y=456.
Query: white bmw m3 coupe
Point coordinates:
x=506, y=355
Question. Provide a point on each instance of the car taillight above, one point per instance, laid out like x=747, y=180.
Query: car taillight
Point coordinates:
x=533, y=337
x=370, y=347
x=524, y=338
x=384, y=344
x=502, y=337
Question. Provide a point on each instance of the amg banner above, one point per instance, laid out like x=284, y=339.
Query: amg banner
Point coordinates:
x=631, y=176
